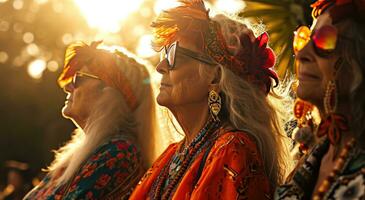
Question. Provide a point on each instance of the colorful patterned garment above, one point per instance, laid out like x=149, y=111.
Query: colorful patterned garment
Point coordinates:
x=109, y=173
x=233, y=170
x=349, y=185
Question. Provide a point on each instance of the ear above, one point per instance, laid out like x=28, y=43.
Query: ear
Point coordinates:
x=215, y=79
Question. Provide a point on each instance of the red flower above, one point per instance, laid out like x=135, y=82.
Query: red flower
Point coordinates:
x=111, y=163
x=121, y=146
x=102, y=181
x=88, y=170
x=90, y=195
x=120, y=155
x=333, y=127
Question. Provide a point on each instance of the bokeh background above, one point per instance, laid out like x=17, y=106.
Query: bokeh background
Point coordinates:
x=33, y=38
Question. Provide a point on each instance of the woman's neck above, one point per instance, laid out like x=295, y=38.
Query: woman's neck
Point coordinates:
x=192, y=118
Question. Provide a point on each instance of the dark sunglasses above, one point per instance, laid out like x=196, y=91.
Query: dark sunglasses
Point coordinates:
x=324, y=39
x=77, y=78
x=169, y=53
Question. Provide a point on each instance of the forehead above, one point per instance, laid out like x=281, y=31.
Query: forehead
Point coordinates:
x=193, y=43
x=84, y=69
x=322, y=20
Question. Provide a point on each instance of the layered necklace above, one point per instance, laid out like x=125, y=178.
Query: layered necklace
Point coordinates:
x=172, y=173
x=338, y=168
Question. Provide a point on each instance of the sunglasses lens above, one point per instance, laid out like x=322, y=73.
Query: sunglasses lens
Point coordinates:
x=301, y=38
x=74, y=80
x=171, y=55
x=325, y=39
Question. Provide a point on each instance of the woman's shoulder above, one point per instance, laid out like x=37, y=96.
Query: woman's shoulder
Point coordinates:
x=235, y=139
x=117, y=153
x=114, y=163
x=116, y=145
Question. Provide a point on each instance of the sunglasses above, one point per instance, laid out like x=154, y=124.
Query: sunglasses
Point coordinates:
x=169, y=53
x=324, y=39
x=77, y=78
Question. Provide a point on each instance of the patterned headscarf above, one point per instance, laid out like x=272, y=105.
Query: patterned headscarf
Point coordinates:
x=102, y=64
x=253, y=62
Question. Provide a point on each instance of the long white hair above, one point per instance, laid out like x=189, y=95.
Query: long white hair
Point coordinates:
x=111, y=116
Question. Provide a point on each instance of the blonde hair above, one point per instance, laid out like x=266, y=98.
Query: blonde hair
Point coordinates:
x=249, y=109
x=111, y=115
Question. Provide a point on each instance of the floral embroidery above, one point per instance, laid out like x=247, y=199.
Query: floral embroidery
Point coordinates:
x=107, y=169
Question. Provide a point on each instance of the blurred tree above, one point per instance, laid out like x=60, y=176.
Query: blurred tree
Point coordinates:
x=281, y=18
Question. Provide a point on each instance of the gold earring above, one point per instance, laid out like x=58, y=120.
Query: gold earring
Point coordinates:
x=215, y=104
x=334, y=123
x=330, y=98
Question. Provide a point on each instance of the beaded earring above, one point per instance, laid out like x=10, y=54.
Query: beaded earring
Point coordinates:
x=334, y=123
x=215, y=104
x=303, y=134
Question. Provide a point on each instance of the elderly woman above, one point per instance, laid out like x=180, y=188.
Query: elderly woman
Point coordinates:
x=331, y=76
x=111, y=102
x=216, y=78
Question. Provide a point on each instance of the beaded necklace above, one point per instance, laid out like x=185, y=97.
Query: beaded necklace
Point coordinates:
x=172, y=173
x=337, y=169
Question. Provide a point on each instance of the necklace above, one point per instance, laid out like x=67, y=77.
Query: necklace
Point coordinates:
x=172, y=173
x=336, y=171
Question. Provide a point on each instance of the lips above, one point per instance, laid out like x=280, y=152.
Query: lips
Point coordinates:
x=307, y=76
x=165, y=85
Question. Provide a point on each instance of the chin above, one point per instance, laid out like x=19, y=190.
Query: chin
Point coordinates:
x=67, y=111
x=161, y=100
x=310, y=93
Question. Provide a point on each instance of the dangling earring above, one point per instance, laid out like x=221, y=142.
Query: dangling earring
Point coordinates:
x=215, y=104
x=303, y=134
x=334, y=123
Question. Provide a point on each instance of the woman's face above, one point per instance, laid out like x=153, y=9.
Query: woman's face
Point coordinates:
x=183, y=85
x=315, y=71
x=81, y=98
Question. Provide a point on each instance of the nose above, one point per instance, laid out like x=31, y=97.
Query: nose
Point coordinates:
x=306, y=54
x=69, y=88
x=162, y=67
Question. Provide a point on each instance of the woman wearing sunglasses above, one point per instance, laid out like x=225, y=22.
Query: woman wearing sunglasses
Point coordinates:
x=216, y=77
x=111, y=102
x=331, y=72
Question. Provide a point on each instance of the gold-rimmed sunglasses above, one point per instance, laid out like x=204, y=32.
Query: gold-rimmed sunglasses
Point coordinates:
x=78, y=75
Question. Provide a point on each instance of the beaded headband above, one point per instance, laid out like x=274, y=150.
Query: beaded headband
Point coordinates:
x=101, y=63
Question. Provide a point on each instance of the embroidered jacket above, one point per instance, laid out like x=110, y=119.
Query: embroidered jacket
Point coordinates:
x=109, y=173
x=233, y=170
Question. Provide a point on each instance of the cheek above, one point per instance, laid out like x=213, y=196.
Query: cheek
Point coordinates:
x=327, y=69
x=190, y=88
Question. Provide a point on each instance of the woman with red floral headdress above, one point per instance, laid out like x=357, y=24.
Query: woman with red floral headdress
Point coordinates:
x=331, y=73
x=216, y=79
x=110, y=100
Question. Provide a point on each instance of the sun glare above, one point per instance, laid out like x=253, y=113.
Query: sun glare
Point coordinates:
x=164, y=4
x=144, y=48
x=107, y=15
x=229, y=6
x=36, y=68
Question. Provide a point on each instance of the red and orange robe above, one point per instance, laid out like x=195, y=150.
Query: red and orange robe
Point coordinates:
x=233, y=170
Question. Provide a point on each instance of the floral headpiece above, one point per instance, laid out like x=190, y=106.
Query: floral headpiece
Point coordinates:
x=340, y=9
x=101, y=63
x=254, y=61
